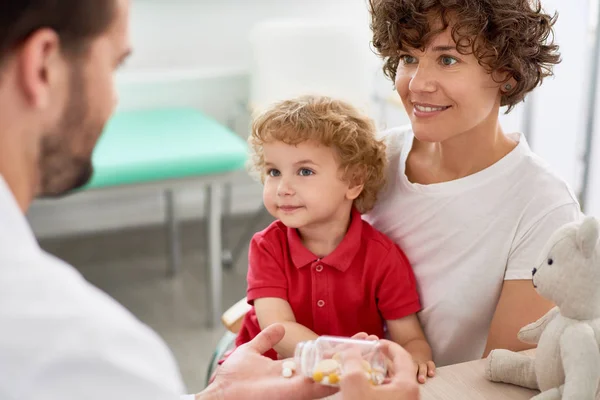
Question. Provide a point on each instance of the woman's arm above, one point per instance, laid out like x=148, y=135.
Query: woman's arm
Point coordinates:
x=518, y=306
x=519, y=303
x=271, y=310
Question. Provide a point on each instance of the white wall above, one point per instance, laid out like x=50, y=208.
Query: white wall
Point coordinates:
x=559, y=105
x=592, y=200
x=196, y=52
x=213, y=33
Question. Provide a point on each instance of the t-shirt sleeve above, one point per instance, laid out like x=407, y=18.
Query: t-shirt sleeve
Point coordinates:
x=266, y=273
x=397, y=295
x=528, y=248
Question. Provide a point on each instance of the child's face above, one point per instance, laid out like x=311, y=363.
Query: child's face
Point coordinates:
x=446, y=93
x=303, y=184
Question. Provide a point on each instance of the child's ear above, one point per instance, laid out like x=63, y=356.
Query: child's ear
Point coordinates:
x=354, y=191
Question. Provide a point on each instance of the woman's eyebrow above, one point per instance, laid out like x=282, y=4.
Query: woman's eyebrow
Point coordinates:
x=444, y=48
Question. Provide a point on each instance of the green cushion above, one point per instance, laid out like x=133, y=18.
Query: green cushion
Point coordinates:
x=155, y=145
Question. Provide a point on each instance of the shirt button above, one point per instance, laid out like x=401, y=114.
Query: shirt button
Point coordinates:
x=320, y=303
x=319, y=268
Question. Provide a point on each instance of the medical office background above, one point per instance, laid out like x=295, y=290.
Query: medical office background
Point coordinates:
x=198, y=52
x=203, y=53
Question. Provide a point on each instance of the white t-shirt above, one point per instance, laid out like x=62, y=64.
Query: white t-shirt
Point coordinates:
x=465, y=237
x=63, y=339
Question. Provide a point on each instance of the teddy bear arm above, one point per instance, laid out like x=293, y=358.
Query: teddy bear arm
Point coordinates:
x=531, y=333
x=551, y=394
x=581, y=362
x=510, y=367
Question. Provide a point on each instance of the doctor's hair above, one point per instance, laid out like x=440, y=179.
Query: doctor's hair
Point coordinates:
x=76, y=22
x=514, y=37
x=331, y=123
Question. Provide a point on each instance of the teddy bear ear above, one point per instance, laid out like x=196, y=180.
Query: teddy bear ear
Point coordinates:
x=587, y=236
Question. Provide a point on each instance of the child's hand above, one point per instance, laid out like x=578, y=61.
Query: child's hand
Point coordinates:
x=424, y=370
x=364, y=336
x=345, y=346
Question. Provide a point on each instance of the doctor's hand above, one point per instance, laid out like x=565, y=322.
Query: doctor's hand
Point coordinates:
x=401, y=385
x=246, y=374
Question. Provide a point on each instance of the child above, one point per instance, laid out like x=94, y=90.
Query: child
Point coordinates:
x=320, y=269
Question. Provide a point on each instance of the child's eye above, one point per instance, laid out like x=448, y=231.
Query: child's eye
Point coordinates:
x=273, y=172
x=448, y=60
x=407, y=59
x=305, y=172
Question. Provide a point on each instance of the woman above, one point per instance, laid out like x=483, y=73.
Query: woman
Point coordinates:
x=471, y=205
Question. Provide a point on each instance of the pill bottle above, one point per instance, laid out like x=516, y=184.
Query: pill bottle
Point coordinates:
x=322, y=359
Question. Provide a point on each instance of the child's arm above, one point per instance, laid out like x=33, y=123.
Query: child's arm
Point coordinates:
x=408, y=333
x=270, y=310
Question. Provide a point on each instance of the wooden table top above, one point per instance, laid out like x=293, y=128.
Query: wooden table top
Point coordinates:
x=466, y=381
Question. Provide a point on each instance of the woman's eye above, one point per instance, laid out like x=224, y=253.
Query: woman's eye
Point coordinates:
x=305, y=172
x=407, y=59
x=447, y=60
x=273, y=172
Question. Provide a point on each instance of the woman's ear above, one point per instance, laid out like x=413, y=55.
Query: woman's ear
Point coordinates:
x=507, y=82
x=508, y=86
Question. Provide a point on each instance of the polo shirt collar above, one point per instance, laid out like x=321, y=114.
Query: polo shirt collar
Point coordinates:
x=340, y=258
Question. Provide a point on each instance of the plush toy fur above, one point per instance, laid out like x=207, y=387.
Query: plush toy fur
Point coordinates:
x=567, y=359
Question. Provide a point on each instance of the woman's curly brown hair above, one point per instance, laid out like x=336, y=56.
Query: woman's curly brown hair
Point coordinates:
x=328, y=122
x=510, y=36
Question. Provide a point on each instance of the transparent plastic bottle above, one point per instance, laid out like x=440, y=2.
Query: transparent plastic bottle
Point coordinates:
x=322, y=359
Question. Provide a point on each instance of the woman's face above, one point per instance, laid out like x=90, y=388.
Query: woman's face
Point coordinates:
x=445, y=93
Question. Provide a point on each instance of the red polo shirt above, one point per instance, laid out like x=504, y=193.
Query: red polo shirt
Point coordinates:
x=366, y=280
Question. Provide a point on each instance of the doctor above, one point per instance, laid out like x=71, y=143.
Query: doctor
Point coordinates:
x=60, y=337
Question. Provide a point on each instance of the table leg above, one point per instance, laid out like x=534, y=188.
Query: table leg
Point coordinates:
x=173, y=234
x=226, y=226
x=214, y=269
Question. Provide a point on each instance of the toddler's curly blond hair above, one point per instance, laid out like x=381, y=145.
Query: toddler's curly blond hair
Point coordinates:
x=328, y=122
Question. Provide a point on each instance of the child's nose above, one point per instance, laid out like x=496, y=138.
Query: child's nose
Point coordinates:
x=284, y=188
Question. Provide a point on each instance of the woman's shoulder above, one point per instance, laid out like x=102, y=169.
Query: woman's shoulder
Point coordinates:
x=546, y=186
x=546, y=200
x=394, y=138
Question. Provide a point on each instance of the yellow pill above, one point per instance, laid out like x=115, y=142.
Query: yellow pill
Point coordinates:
x=318, y=376
x=366, y=366
x=334, y=379
x=327, y=366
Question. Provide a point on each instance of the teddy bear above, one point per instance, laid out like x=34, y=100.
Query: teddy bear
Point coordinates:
x=567, y=360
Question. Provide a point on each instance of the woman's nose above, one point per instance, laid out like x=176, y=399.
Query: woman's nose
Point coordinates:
x=422, y=80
